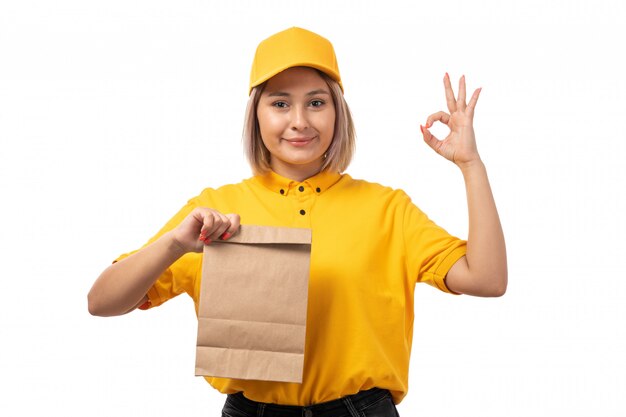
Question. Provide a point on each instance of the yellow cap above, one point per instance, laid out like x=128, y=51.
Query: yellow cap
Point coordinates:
x=294, y=47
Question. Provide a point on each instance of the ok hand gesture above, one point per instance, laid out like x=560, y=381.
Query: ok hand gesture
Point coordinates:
x=460, y=144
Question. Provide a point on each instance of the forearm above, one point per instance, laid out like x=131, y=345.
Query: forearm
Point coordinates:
x=123, y=284
x=486, y=251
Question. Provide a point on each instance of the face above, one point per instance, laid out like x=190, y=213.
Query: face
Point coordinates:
x=296, y=118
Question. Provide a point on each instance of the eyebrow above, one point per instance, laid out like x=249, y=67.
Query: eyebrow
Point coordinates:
x=310, y=93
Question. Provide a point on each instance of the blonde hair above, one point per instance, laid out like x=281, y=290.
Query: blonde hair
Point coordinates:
x=339, y=153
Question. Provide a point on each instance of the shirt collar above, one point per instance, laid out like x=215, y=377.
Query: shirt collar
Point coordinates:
x=319, y=183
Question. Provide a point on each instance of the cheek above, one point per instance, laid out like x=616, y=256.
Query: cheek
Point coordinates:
x=269, y=124
x=327, y=124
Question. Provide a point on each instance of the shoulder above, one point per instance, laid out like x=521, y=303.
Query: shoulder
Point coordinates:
x=224, y=192
x=371, y=190
x=374, y=200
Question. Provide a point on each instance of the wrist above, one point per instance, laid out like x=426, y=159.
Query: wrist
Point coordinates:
x=471, y=166
x=174, y=248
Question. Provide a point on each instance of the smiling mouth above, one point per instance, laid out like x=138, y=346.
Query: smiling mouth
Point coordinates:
x=300, y=141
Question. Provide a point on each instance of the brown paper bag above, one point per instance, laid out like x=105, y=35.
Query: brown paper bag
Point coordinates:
x=253, y=302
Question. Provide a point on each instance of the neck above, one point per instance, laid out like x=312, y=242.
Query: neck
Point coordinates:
x=296, y=172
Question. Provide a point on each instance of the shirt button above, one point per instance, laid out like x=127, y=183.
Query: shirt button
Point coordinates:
x=308, y=413
x=301, y=188
x=302, y=212
x=282, y=191
x=318, y=189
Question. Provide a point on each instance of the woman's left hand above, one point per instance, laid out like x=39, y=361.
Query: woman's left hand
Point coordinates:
x=460, y=144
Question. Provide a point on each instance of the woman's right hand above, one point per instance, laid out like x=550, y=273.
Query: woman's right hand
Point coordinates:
x=203, y=226
x=123, y=285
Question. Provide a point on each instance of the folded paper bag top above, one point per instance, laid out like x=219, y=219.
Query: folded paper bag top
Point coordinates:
x=253, y=304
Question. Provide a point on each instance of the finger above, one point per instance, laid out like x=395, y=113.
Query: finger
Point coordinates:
x=440, y=116
x=222, y=223
x=207, y=226
x=472, y=103
x=450, y=100
x=430, y=139
x=460, y=103
x=234, y=226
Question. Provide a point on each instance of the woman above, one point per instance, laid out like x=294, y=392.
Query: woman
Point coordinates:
x=371, y=244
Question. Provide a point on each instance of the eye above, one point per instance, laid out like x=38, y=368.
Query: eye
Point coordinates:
x=279, y=104
x=317, y=103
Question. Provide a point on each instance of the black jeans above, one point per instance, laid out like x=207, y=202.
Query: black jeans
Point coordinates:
x=371, y=403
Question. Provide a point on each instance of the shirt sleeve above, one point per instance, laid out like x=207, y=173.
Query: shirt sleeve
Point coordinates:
x=430, y=250
x=181, y=275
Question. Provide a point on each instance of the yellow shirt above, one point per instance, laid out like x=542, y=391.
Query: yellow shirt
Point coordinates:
x=371, y=244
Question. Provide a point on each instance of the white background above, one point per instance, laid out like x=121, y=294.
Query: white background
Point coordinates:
x=113, y=114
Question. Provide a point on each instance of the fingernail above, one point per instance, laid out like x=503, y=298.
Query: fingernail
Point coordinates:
x=225, y=235
x=422, y=128
x=207, y=241
x=447, y=76
x=202, y=236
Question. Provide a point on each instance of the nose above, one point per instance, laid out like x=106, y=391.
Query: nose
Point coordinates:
x=299, y=120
